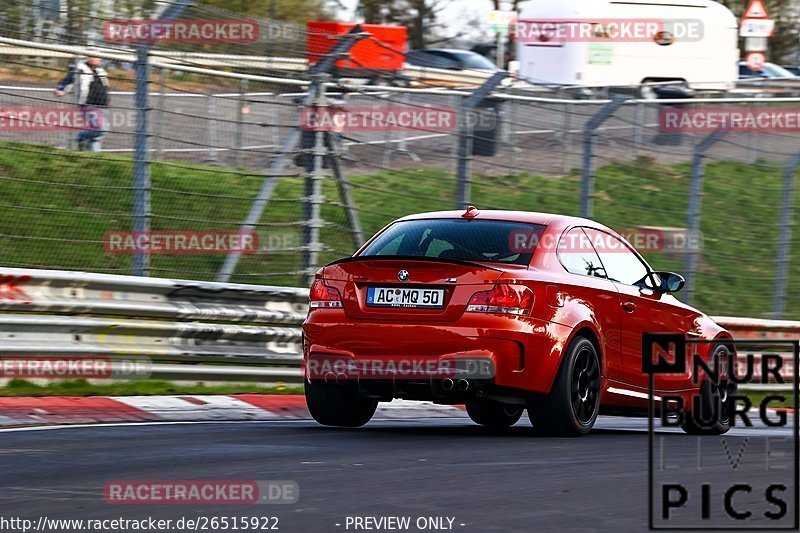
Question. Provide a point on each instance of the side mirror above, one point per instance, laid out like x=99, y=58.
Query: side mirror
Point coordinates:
x=671, y=282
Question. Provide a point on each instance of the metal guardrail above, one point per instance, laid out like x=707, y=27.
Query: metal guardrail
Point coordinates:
x=190, y=61
x=48, y=313
x=254, y=330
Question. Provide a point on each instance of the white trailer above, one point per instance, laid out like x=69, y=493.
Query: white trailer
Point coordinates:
x=559, y=56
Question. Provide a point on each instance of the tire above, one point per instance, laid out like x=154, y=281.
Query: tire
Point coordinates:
x=712, y=399
x=573, y=403
x=493, y=414
x=332, y=404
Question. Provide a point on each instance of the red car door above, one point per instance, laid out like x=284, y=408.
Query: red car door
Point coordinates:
x=595, y=291
x=642, y=309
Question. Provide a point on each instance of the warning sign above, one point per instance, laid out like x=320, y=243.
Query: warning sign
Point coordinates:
x=756, y=10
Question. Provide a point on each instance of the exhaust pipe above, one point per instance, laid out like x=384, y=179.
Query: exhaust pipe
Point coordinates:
x=462, y=385
x=447, y=384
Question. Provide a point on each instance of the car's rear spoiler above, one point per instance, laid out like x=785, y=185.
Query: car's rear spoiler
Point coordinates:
x=412, y=258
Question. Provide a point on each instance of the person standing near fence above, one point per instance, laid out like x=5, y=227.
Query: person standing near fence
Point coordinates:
x=91, y=82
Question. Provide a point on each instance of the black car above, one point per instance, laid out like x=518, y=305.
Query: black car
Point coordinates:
x=449, y=59
x=769, y=70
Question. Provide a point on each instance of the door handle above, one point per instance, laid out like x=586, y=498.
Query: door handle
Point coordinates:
x=629, y=306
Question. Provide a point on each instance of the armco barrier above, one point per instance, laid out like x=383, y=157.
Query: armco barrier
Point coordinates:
x=60, y=313
x=183, y=61
x=755, y=329
x=254, y=327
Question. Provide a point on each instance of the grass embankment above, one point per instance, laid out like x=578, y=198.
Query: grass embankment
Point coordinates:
x=57, y=205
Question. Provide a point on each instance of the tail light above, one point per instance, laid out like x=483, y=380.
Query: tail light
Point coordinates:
x=322, y=295
x=503, y=298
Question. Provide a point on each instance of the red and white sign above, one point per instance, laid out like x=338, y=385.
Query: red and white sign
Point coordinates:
x=757, y=28
x=756, y=10
x=755, y=60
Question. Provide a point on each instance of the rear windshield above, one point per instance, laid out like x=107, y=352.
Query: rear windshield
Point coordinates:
x=492, y=241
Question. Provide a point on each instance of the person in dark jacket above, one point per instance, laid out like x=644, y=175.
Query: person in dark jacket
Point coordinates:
x=90, y=81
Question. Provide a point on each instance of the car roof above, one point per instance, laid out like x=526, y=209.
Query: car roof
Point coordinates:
x=742, y=62
x=446, y=50
x=529, y=217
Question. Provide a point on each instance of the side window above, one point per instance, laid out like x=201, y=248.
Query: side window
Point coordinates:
x=393, y=246
x=576, y=253
x=439, y=247
x=621, y=264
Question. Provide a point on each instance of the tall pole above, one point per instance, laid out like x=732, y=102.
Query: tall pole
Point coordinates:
x=501, y=49
x=587, y=176
x=785, y=236
x=694, y=212
x=141, y=171
x=314, y=199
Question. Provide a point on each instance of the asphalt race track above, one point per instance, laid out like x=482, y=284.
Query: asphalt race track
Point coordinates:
x=507, y=481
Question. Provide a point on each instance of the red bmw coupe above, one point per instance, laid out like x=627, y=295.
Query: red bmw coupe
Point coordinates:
x=500, y=311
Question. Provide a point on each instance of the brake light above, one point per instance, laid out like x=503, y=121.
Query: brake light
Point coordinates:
x=322, y=295
x=503, y=298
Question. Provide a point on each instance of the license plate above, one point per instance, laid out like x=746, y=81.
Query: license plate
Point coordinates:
x=405, y=297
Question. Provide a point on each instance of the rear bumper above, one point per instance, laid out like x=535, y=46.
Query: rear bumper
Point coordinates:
x=522, y=352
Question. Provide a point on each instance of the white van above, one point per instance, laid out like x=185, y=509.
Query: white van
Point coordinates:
x=675, y=53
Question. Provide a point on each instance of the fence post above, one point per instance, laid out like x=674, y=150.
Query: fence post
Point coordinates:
x=239, y=136
x=163, y=74
x=70, y=141
x=509, y=124
x=587, y=178
x=752, y=137
x=456, y=104
x=402, y=146
x=388, y=135
x=275, y=129
x=141, y=171
x=312, y=209
x=465, y=137
x=213, y=145
x=565, y=159
x=785, y=236
x=693, y=217
x=638, y=132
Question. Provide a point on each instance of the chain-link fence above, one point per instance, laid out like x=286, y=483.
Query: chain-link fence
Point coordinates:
x=196, y=152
